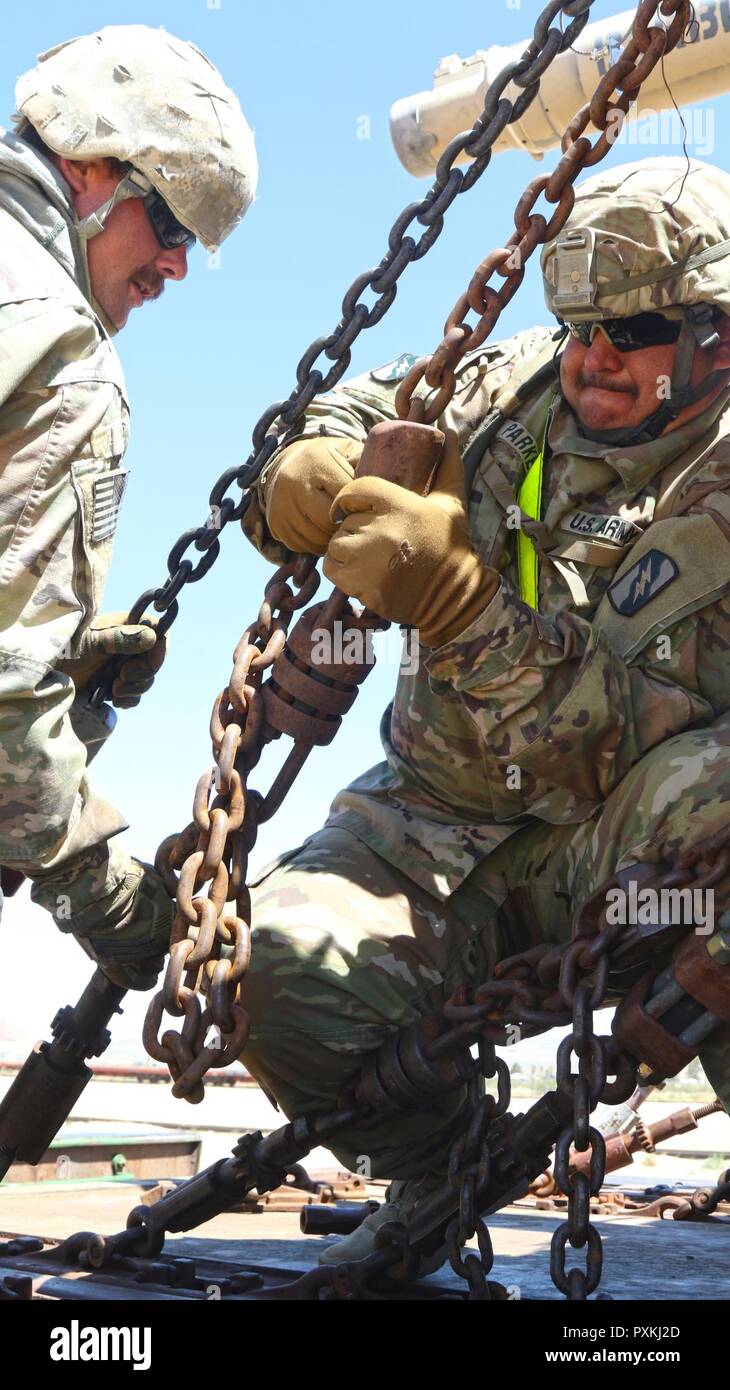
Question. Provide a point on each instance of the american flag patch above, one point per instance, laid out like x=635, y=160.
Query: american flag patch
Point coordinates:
x=107, y=495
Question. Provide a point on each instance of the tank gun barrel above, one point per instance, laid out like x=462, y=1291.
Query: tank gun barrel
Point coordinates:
x=422, y=125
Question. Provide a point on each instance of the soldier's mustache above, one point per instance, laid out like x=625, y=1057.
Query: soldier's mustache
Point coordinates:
x=151, y=284
x=587, y=379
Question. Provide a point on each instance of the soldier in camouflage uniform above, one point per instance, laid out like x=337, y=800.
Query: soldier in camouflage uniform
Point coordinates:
x=569, y=718
x=116, y=167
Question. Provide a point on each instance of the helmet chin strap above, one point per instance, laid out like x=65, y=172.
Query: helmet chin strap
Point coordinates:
x=107, y=324
x=697, y=331
x=133, y=185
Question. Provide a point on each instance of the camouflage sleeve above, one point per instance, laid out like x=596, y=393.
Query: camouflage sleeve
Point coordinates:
x=576, y=702
x=351, y=409
x=348, y=411
x=56, y=442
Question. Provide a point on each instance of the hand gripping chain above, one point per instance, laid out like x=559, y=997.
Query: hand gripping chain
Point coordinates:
x=211, y=941
x=382, y=280
x=210, y=946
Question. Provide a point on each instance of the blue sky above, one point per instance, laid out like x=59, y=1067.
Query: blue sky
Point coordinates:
x=202, y=363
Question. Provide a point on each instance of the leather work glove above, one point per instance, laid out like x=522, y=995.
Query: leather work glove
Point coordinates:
x=300, y=487
x=409, y=558
x=116, y=907
x=133, y=648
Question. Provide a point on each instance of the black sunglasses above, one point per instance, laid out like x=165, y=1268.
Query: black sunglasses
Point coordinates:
x=629, y=334
x=169, y=232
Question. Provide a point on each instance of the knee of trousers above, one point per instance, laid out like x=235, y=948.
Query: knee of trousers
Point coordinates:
x=677, y=795
x=312, y=1027
x=346, y=950
x=337, y=965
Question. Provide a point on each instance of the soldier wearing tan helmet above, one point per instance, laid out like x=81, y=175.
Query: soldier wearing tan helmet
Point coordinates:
x=128, y=146
x=567, y=727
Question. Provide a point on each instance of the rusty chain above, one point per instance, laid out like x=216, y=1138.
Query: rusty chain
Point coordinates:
x=497, y=1155
x=547, y=986
x=646, y=47
x=382, y=280
x=210, y=945
x=583, y=985
x=469, y=1172
x=494, y=1160
x=525, y=990
x=586, y=1087
x=210, y=942
x=210, y=948
x=705, y=1200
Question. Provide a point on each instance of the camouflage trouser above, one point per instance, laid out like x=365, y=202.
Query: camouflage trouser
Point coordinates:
x=346, y=948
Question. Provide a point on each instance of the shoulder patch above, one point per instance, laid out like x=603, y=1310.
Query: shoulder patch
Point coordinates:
x=395, y=370
x=647, y=578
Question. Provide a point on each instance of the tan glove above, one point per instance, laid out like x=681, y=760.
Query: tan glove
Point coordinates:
x=300, y=488
x=133, y=648
x=409, y=558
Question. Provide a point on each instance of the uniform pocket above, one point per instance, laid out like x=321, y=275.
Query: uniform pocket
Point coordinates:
x=99, y=492
x=679, y=565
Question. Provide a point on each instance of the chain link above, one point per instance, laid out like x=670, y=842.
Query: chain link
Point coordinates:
x=646, y=47
x=583, y=982
x=705, y=1200
x=469, y=1173
x=210, y=945
x=585, y=1088
x=283, y=417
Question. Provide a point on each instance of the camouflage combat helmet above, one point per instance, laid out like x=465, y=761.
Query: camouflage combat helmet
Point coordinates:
x=647, y=237
x=141, y=96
